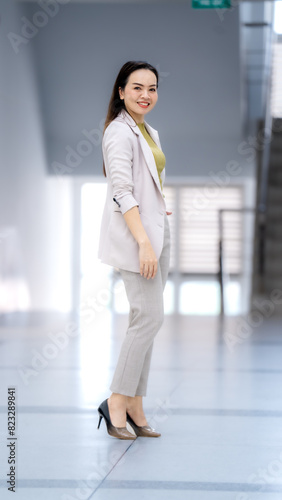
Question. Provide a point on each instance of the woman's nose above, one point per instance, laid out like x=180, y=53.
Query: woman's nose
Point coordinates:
x=145, y=94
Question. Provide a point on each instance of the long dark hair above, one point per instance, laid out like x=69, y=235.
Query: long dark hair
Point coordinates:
x=116, y=104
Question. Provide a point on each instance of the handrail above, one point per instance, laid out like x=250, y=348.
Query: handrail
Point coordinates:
x=261, y=248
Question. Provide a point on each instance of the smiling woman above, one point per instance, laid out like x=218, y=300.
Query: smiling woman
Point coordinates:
x=134, y=238
x=127, y=82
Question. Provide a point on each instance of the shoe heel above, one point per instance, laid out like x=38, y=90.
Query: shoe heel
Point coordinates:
x=99, y=423
x=119, y=432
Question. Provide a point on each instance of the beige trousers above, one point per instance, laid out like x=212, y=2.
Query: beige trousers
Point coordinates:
x=145, y=319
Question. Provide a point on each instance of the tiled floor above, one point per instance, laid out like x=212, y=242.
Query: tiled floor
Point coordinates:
x=215, y=393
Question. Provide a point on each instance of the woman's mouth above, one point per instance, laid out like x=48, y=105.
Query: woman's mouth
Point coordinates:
x=143, y=104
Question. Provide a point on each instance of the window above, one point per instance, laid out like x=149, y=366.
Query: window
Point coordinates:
x=195, y=227
x=278, y=18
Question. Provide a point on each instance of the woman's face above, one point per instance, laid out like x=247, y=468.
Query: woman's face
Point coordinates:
x=140, y=93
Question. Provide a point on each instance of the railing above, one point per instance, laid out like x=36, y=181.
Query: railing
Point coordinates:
x=222, y=274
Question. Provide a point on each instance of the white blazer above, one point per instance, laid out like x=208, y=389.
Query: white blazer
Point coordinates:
x=132, y=181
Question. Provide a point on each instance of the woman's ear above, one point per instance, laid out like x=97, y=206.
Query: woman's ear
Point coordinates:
x=121, y=96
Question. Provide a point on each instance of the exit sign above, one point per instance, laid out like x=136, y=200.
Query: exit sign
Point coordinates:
x=211, y=4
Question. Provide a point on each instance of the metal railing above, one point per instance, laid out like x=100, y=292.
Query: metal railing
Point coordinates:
x=261, y=223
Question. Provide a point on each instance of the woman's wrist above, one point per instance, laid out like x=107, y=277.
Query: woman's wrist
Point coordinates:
x=143, y=242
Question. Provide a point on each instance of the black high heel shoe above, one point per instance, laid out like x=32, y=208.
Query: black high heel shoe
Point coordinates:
x=118, y=432
x=142, y=431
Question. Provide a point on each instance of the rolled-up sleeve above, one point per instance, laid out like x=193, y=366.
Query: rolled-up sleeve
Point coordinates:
x=118, y=158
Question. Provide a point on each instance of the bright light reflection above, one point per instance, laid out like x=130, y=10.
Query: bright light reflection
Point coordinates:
x=232, y=298
x=95, y=357
x=95, y=293
x=203, y=298
x=14, y=295
x=121, y=305
x=169, y=297
x=93, y=197
x=278, y=18
x=199, y=298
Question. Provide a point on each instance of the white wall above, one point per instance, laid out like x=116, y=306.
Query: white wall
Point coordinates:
x=37, y=206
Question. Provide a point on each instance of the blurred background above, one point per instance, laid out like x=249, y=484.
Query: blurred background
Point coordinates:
x=215, y=387
x=219, y=117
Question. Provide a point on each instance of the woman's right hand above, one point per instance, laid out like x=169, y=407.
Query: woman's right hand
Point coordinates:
x=148, y=260
x=147, y=257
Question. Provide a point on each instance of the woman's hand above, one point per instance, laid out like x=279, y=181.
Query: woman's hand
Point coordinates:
x=148, y=260
x=168, y=213
x=147, y=257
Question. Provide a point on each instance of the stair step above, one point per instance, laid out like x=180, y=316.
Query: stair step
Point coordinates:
x=276, y=144
x=277, y=307
x=277, y=225
x=276, y=126
x=274, y=232
x=273, y=238
x=274, y=195
x=274, y=212
x=273, y=248
x=271, y=282
x=275, y=159
x=274, y=221
x=273, y=267
x=275, y=176
x=270, y=286
x=260, y=300
x=273, y=255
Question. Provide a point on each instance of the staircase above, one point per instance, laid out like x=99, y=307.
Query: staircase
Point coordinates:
x=273, y=241
x=272, y=276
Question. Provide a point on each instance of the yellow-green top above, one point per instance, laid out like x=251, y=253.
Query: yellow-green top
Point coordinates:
x=157, y=152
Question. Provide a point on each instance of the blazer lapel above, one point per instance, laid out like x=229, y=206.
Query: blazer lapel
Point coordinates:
x=155, y=136
x=150, y=160
x=147, y=152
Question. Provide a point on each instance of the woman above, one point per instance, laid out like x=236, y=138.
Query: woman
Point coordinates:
x=134, y=238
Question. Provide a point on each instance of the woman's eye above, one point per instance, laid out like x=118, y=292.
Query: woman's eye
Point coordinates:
x=139, y=88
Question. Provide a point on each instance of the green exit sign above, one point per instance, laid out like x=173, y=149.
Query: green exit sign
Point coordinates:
x=211, y=4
